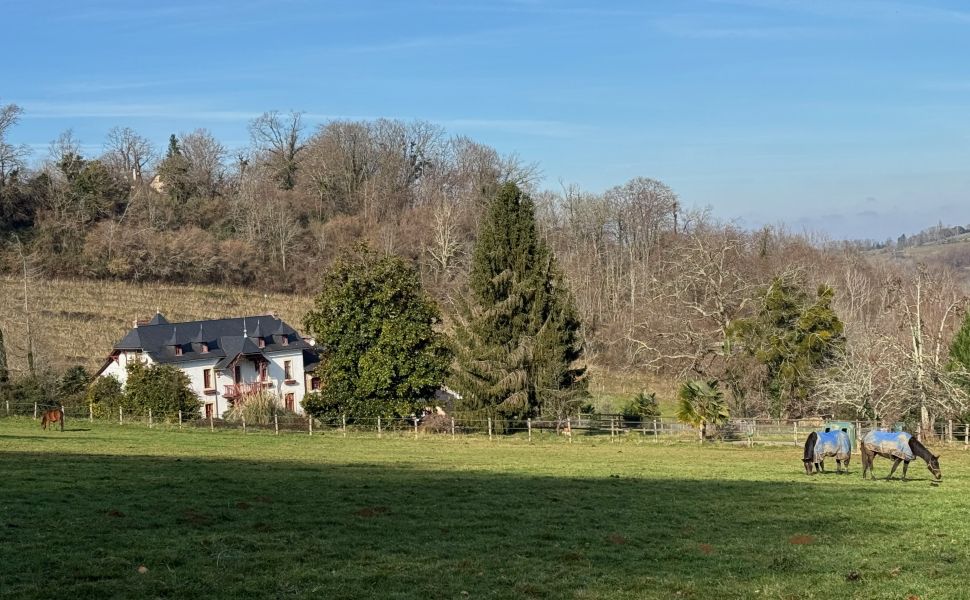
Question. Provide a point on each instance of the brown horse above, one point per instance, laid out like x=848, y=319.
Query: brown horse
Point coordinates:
x=894, y=446
x=51, y=417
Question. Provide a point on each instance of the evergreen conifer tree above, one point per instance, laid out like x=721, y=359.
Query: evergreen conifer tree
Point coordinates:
x=517, y=339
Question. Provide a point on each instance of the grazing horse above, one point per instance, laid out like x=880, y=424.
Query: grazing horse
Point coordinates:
x=900, y=448
x=827, y=443
x=51, y=417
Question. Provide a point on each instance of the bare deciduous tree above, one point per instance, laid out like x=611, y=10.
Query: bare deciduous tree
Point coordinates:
x=280, y=139
x=127, y=153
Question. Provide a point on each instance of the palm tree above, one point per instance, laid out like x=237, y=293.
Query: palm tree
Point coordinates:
x=700, y=403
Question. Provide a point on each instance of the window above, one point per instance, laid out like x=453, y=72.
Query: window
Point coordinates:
x=314, y=383
x=261, y=342
x=289, y=402
x=204, y=348
x=263, y=371
x=207, y=378
x=178, y=351
x=237, y=374
x=287, y=370
x=284, y=340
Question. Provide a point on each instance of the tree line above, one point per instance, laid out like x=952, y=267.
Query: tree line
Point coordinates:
x=786, y=324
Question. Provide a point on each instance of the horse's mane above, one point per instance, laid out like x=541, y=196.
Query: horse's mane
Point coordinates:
x=810, y=447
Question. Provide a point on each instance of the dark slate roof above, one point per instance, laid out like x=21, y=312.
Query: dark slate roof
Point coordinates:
x=158, y=319
x=224, y=338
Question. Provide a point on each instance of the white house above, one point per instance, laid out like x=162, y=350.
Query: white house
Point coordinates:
x=225, y=359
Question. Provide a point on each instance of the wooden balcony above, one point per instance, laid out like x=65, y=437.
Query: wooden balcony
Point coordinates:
x=238, y=390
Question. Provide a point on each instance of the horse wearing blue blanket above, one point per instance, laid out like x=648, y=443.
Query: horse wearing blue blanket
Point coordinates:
x=899, y=447
x=827, y=443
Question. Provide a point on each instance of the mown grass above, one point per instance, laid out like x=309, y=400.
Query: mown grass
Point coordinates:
x=225, y=515
x=78, y=322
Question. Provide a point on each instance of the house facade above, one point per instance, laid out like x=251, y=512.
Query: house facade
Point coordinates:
x=226, y=360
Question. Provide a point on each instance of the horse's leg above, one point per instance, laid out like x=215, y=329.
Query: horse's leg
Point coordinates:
x=905, y=466
x=896, y=462
x=838, y=466
x=845, y=464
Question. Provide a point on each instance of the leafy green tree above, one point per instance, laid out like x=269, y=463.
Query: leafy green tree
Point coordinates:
x=175, y=173
x=793, y=337
x=701, y=403
x=164, y=389
x=517, y=338
x=383, y=354
x=104, y=396
x=959, y=364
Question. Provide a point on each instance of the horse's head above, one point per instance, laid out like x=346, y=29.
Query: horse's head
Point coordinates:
x=933, y=464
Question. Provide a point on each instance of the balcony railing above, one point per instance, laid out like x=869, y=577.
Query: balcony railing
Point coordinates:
x=236, y=390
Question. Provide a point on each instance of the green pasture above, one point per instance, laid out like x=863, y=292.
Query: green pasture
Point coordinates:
x=107, y=511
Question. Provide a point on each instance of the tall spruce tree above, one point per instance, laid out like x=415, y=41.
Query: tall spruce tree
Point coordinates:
x=517, y=338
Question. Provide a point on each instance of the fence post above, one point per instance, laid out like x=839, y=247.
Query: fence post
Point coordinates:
x=612, y=428
x=180, y=419
x=858, y=435
x=569, y=429
x=310, y=421
x=121, y=416
x=8, y=408
x=949, y=430
x=966, y=435
x=453, y=428
x=378, y=427
x=212, y=425
x=795, y=432
x=490, y=429
x=62, y=417
x=656, y=435
x=276, y=423
x=35, y=410
x=90, y=412
x=528, y=423
x=244, y=422
x=343, y=424
x=149, y=418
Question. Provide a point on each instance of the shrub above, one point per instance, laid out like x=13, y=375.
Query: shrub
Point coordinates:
x=105, y=396
x=642, y=407
x=257, y=409
x=163, y=389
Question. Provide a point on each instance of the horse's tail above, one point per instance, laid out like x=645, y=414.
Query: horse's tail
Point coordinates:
x=809, y=455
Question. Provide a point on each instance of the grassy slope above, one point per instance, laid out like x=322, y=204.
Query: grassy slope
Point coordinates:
x=77, y=322
x=223, y=515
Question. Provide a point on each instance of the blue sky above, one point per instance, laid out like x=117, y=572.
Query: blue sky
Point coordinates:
x=851, y=118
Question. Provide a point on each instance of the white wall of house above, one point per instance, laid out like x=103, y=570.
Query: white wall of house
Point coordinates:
x=276, y=372
x=249, y=373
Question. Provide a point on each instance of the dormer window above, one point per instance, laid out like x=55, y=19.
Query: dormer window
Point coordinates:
x=203, y=347
x=178, y=350
x=261, y=342
x=284, y=340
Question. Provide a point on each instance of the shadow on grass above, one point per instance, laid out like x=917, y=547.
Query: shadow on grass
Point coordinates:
x=83, y=525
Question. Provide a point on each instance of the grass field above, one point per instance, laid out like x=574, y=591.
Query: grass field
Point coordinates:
x=225, y=515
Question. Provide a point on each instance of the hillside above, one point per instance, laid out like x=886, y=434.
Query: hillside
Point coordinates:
x=77, y=322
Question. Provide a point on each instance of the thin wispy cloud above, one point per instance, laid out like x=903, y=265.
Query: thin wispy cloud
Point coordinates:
x=883, y=10
x=714, y=28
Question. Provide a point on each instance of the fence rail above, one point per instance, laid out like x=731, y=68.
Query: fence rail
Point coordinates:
x=592, y=427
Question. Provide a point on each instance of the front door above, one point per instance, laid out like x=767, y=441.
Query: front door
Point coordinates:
x=237, y=374
x=208, y=410
x=289, y=402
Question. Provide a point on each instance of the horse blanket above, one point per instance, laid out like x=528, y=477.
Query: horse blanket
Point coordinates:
x=892, y=443
x=832, y=443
